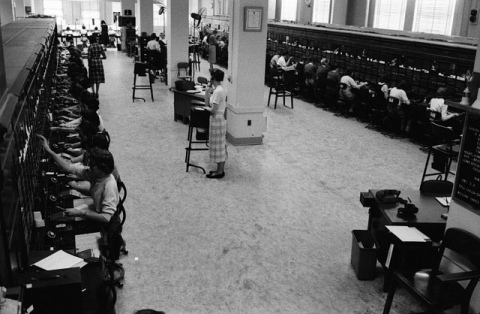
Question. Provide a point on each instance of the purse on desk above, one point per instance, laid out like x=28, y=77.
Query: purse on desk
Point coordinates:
x=388, y=196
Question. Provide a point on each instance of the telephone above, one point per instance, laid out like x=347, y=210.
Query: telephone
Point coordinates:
x=388, y=196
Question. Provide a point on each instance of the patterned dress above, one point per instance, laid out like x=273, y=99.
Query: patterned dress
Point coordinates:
x=95, y=66
x=218, y=127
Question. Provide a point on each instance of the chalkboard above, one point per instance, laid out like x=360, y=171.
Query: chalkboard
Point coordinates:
x=467, y=181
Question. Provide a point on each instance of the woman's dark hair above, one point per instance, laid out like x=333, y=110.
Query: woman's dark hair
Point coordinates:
x=153, y=36
x=385, y=79
x=217, y=74
x=100, y=140
x=92, y=117
x=441, y=92
x=91, y=103
x=101, y=158
x=103, y=22
x=405, y=85
x=348, y=72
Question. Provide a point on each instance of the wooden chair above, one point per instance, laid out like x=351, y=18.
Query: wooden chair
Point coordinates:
x=439, y=291
x=278, y=87
x=141, y=70
x=183, y=71
x=343, y=104
x=444, y=147
x=199, y=119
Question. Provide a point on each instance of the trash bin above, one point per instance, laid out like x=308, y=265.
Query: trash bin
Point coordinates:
x=364, y=254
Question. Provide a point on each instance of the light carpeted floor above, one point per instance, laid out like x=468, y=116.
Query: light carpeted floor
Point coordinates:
x=273, y=236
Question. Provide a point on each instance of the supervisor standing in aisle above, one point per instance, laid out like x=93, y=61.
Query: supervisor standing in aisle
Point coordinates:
x=216, y=104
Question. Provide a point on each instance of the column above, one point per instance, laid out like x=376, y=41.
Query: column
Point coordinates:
x=20, y=8
x=6, y=12
x=245, y=119
x=128, y=5
x=177, y=36
x=145, y=24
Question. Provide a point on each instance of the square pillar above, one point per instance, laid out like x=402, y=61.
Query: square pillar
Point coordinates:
x=245, y=119
x=145, y=25
x=177, y=37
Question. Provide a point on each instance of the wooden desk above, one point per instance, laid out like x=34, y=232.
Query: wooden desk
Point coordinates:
x=428, y=220
x=78, y=289
x=181, y=104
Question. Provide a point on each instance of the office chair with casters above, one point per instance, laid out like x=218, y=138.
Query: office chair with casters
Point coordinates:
x=183, y=71
x=444, y=148
x=199, y=119
x=140, y=69
x=439, y=291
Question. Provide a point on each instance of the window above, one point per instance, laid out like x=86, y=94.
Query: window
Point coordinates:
x=434, y=16
x=54, y=7
x=159, y=21
x=90, y=12
x=289, y=10
x=321, y=11
x=390, y=14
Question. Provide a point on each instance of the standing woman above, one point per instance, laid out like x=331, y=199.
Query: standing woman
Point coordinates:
x=212, y=49
x=105, y=40
x=216, y=104
x=95, y=65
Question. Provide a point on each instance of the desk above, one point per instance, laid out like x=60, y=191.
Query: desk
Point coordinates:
x=182, y=103
x=78, y=290
x=428, y=220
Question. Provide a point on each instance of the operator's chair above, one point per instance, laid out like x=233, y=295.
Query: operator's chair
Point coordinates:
x=444, y=148
x=202, y=81
x=439, y=291
x=343, y=103
x=199, y=120
x=141, y=70
x=183, y=71
x=393, y=118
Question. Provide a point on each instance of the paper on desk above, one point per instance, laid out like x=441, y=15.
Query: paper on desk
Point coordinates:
x=408, y=234
x=445, y=201
x=60, y=260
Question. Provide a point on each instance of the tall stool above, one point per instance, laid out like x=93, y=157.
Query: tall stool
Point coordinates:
x=444, y=147
x=141, y=70
x=199, y=119
x=279, y=88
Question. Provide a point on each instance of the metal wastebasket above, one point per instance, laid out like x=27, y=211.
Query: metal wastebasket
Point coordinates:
x=364, y=254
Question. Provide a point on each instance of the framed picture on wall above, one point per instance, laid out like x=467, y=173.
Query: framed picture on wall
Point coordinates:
x=252, y=19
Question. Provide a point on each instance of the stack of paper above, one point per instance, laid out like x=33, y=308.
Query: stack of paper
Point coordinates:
x=408, y=234
x=60, y=260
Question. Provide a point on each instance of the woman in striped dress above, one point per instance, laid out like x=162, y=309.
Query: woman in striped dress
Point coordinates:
x=95, y=65
x=216, y=104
